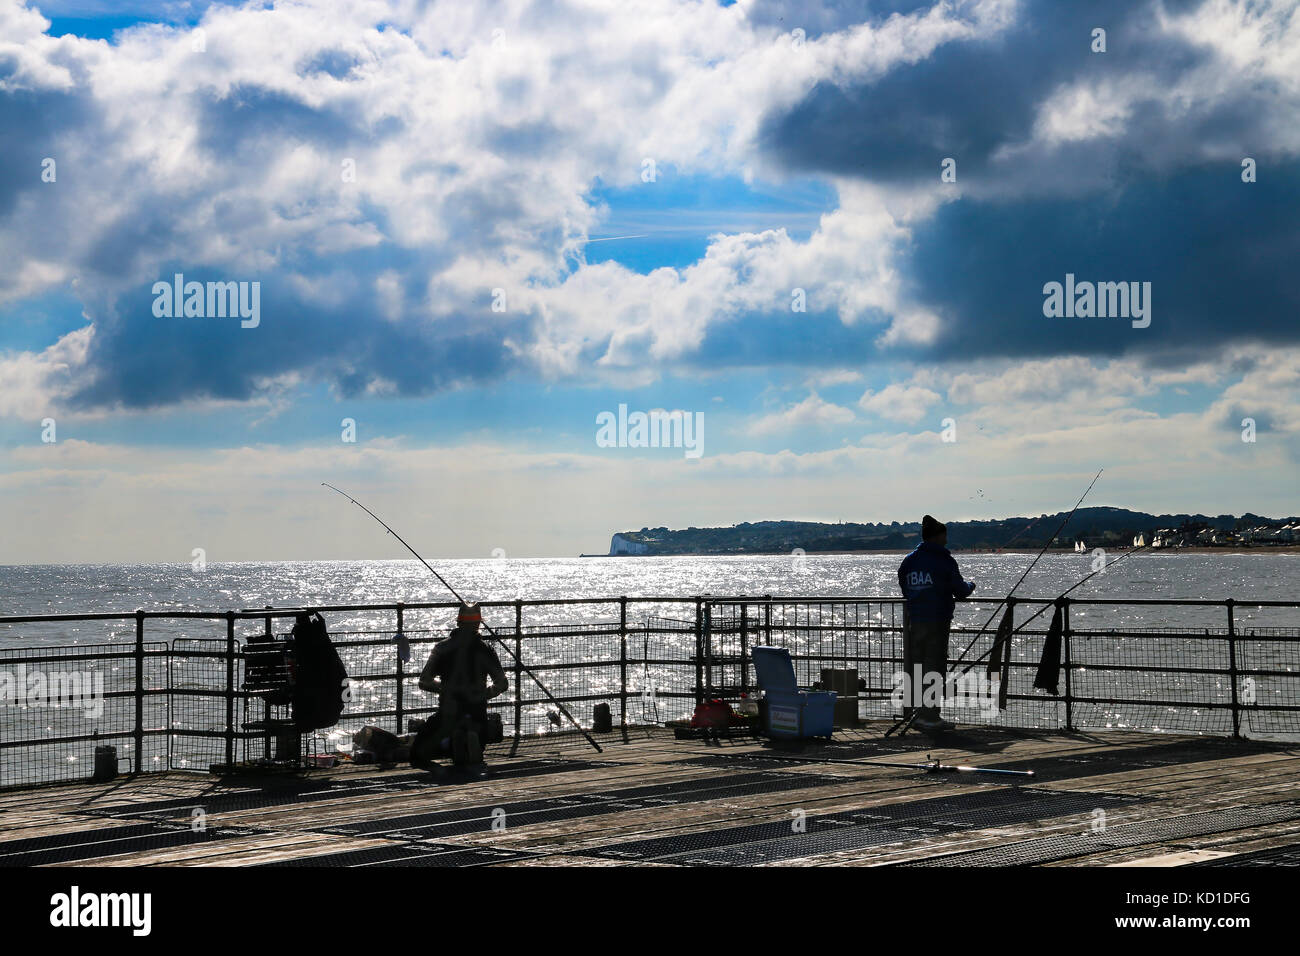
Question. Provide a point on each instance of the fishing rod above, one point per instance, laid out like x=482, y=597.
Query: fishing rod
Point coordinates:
x=1042, y=610
x=522, y=666
x=1061, y=527
x=930, y=765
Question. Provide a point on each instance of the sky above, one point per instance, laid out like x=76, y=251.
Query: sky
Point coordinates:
x=826, y=232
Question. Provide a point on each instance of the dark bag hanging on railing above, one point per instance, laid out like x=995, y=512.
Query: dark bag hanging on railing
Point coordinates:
x=1000, y=658
x=318, y=691
x=1049, y=667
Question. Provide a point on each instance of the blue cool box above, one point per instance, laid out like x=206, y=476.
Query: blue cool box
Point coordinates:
x=791, y=712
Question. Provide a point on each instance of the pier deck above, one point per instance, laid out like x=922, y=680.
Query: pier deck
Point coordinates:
x=1097, y=799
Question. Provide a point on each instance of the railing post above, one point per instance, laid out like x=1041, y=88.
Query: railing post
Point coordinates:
x=1232, y=665
x=401, y=668
x=1069, y=688
x=622, y=662
x=266, y=703
x=903, y=658
x=744, y=638
x=519, y=669
x=699, y=651
x=139, y=690
x=708, y=651
x=230, y=690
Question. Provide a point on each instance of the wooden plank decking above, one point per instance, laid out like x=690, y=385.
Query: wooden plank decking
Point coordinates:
x=1096, y=800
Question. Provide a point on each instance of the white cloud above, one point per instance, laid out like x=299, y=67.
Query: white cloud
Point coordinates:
x=1086, y=110
x=1071, y=380
x=901, y=403
x=813, y=412
x=1255, y=40
x=34, y=383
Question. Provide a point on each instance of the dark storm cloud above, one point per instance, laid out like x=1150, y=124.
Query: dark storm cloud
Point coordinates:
x=1219, y=254
x=972, y=97
x=250, y=116
x=336, y=63
x=142, y=361
x=30, y=123
x=132, y=240
x=1157, y=201
x=536, y=139
x=812, y=340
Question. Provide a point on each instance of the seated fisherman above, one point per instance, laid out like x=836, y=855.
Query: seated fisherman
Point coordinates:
x=458, y=671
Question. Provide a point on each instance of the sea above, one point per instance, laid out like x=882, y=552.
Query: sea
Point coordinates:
x=104, y=588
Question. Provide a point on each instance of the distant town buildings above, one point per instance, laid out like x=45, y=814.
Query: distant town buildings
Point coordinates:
x=1256, y=535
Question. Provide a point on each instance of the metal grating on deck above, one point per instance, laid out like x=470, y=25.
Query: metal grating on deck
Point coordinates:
x=411, y=854
x=878, y=826
x=1048, y=849
x=796, y=757
x=1274, y=856
x=335, y=788
x=1046, y=769
x=478, y=819
x=1125, y=760
x=108, y=841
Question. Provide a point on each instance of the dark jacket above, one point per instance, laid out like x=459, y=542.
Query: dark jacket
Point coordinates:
x=461, y=667
x=319, y=675
x=931, y=583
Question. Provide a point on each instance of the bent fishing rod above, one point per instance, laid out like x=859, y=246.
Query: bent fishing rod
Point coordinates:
x=522, y=666
x=929, y=766
x=1061, y=527
x=1064, y=594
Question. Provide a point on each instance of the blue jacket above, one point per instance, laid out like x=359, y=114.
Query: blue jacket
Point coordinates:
x=931, y=583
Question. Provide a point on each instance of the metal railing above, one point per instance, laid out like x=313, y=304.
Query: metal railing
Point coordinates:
x=168, y=690
x=1122, y=666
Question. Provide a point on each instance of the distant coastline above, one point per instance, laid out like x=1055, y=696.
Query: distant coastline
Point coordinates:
x=1225, y=549
x=1095, y=527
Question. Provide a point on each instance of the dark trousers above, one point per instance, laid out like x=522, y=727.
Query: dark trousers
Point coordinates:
x=926, y=645
x=444, y=722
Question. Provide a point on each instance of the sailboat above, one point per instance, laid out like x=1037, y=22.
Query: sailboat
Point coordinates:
x=1080, y=547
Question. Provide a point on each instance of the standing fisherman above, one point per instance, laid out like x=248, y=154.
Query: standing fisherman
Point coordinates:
x=458, y=671
x=931, y=584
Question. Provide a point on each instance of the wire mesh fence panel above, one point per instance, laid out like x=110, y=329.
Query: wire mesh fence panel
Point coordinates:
x=58, y=704
x=864, y=637
x=661, y=670
x=372, y=658
x=580, y=665
x=976, y=674
x=1129, y=681
x=197, y=723
x=1159, y=668
x=1268, y=669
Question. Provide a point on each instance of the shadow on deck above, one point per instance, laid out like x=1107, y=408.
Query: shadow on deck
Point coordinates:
x=1094, y=799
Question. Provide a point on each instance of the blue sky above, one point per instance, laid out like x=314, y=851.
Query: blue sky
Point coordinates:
x=474, y=230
